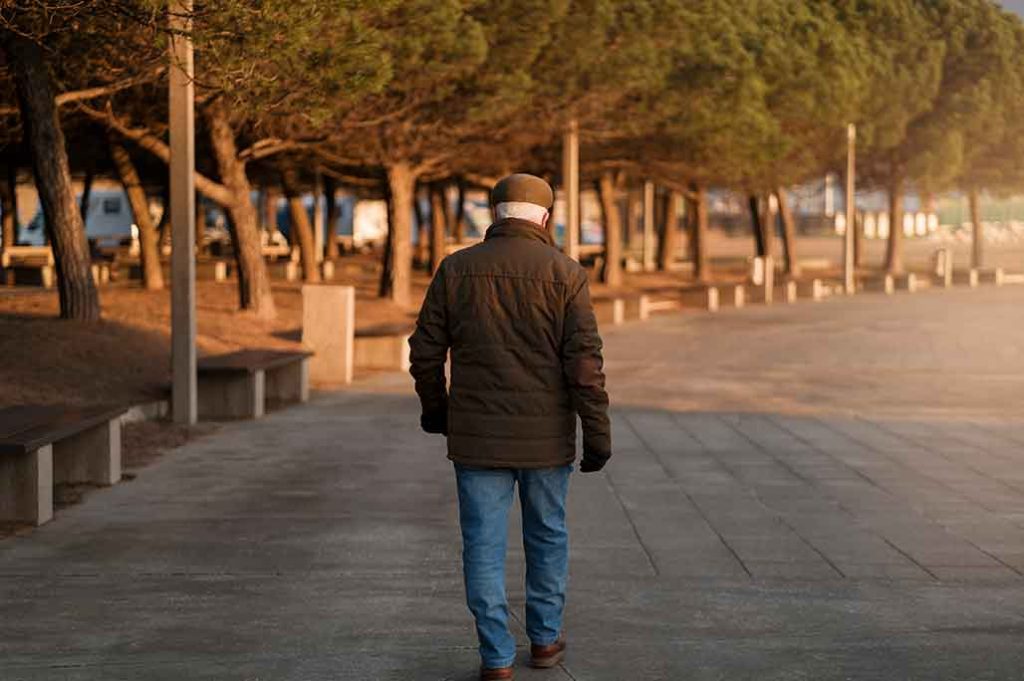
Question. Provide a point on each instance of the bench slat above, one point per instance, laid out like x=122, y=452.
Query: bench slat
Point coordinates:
x=250, y=360
x=28, y=427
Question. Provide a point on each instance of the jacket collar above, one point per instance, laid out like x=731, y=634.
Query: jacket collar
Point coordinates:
x=523, y=229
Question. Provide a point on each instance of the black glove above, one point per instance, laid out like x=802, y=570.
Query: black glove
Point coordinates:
x=435, y=422
x=592, y=463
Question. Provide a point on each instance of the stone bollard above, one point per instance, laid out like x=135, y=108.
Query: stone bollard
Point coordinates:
x=328, y=329
x=739, y=296
x=711, y=299
x=789, y=291
x=220, y=271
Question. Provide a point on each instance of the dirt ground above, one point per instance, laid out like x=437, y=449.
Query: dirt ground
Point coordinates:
x=126, y=358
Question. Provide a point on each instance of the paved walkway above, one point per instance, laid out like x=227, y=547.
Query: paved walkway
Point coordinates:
x=828, y=491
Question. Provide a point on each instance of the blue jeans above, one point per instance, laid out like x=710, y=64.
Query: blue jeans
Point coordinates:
x=485, y=496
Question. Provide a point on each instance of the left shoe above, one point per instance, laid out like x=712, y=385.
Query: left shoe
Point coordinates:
x=545, y=657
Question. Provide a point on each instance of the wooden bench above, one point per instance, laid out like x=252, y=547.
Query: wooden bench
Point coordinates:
x=240, y=385
x=44, y=445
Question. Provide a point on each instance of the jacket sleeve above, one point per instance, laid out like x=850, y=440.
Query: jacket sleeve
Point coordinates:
x=583, y=365
x=428, y=350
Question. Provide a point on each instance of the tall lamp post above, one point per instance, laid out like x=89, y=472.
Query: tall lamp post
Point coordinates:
x=849, y=284
x=571, y=185
x=183, y=214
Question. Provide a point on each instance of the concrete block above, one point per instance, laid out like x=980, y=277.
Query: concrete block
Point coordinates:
x=239, y=395
x=643, y=307
x=328, y=329
x=739, y=295
x=886, y=284
x=789, y=292
x=92, y=456
x=993, y=276
x=288, y=383
x=610, y=311
x=906, y=282
x=390, y=351
x=711, y=299
x=26, y=487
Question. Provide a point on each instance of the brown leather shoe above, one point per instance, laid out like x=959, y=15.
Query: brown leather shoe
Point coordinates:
x=544, y=657
x=497, y=674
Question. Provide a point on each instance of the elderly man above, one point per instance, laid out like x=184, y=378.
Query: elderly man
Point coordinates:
x=525, y=361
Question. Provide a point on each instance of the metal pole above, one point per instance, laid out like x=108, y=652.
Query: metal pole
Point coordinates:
x=183, y=215
x=648, y=226
x=849, y=285
x=318, y=216
x=571, y=184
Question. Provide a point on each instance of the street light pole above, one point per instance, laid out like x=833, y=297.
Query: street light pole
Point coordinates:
x=181, y=101
x=571, y=185
x=849, y=284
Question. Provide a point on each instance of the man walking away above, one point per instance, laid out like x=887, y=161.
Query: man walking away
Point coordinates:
x=525, y=361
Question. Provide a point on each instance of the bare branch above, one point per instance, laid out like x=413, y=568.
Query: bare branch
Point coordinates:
x=148, y=140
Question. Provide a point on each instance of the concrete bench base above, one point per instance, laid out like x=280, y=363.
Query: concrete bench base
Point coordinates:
x=620, y=309
x=389, y=352
x=245, y=392
x=812, y=289
x=76, y=455
x=26, y=486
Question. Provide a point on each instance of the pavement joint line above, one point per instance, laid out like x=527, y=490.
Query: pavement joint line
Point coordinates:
x=901, y=464
x=671, y=476
x=881, y=488
x=999, y=434
x=632, y=523
x=808, y=481
x=936, y=521
x=910, y=558
x=917, y=445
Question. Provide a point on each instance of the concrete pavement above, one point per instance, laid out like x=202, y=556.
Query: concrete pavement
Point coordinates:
x=825, y=491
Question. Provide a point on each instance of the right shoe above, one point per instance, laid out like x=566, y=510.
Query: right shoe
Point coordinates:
x=545, y=657
x=497, y=673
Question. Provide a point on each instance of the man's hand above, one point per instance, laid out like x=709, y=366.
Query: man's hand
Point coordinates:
x=592, y=463
x=435, y=422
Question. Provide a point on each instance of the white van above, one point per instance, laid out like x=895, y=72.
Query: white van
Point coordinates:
x=108, y=222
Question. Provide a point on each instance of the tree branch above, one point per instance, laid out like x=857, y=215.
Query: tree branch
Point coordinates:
x=146, y=139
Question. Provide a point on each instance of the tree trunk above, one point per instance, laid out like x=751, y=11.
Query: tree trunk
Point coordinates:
x=755, y=225
x=396, y=279
x=301, y=230
x=608, y=193
x=701, y=261
x=9, y=207
x=438, y=225
x=894, y=250
x=633, y=231
x=163, y=227
x=149, y=246
x=788, y=234
x=670, y=231
x=858, y=240
x=769, y=226
x=331, y=228
x=78, y=297
x=83, y=204
x=423, y=228
x=977, y=231
x=200, y=235
x=253, y=283
x=458, y=229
